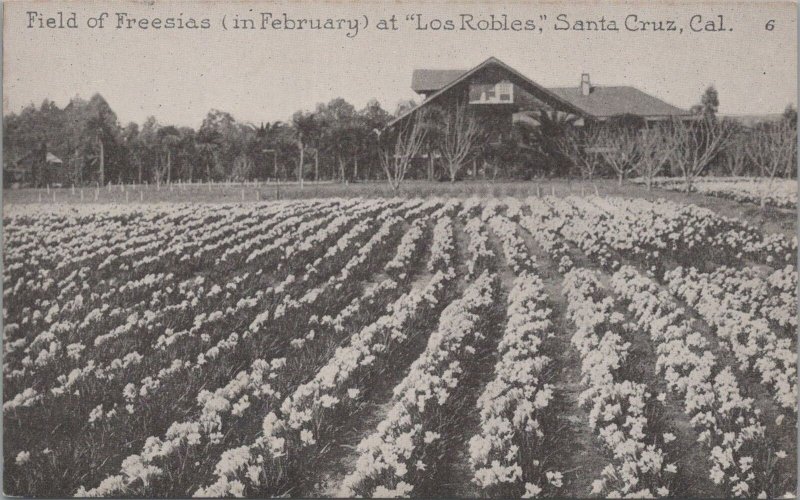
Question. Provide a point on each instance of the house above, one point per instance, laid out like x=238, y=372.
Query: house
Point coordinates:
x=499, y=93
x=497, y=96
x=33, y=169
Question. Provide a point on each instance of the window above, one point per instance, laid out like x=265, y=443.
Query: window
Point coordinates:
x=488, y=93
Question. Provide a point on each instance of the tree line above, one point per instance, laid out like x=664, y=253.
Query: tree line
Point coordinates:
x=336, y=141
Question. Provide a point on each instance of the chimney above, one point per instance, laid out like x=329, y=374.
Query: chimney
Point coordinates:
x=586, y=86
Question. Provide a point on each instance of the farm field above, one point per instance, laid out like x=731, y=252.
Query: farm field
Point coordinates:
x=781, y=193
x=551, y=345
x=770, y=218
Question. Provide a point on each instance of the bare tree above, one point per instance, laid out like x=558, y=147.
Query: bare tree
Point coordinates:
x=773, y=150
x=159, y=170
x=736, y=154
x=577, y=144
x=697, y=144
x=654, y=147
x=400, y=146
x=617, y=145
x=459, y=132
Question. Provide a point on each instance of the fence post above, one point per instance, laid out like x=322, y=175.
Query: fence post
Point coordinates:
x=596, y=191
x=141, y=196
x=81, y=194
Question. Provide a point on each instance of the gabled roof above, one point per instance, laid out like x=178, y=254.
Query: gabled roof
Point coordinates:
x=431, y=80
x=605, y=102
x=526, y=83
x=602, y=102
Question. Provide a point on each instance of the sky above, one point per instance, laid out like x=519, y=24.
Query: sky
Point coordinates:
x=259, y=75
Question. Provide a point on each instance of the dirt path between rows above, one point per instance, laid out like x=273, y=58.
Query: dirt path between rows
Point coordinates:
x=342, y=454
x=692, y=460
x=575, y=449
x=453, y=478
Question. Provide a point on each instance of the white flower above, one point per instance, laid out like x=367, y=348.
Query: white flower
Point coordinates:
x=531, y=490
x=23, y=457
x=431, y=437
x=236, y=488
x=554, y=478
x=96, y=413
x=307, y=437
x=254, y=474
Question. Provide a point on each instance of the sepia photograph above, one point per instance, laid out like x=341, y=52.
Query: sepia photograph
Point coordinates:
x=337, y=249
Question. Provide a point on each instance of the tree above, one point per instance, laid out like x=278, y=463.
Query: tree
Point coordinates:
x=709, y=104
x=459, y=132
x=790, y=114
x=100, y=126
x=654, y=147
x=337, y=120
x=773, y=149
x=187, y=152
x=168, y=138
x=133, y=143
x=697, y=143
x=544, y=145
x=209, y=144
x=617, y=146
x=150, y=149
x=226, y=140
x=578, y=146
x=371, y=119
x=400, y=145
x=736, y=156
x=305, y=126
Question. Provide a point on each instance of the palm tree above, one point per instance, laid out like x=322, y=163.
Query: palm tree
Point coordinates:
x=208, y=146
x=169, y=137
x=545, y=128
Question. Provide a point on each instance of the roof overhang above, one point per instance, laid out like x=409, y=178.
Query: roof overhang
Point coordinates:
x=651, y=118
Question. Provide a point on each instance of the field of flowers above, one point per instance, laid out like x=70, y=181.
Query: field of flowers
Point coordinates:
x=543, y=346
x=781, y=193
